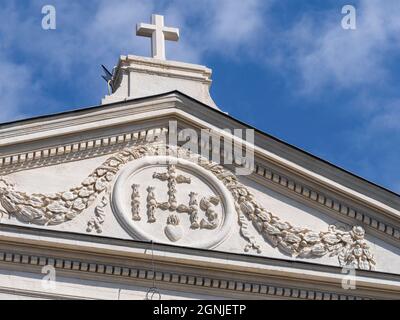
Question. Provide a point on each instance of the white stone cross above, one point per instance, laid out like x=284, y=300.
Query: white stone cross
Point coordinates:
x=158, y=34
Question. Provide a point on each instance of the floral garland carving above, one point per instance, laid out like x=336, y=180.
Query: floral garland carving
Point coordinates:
x=349, y=246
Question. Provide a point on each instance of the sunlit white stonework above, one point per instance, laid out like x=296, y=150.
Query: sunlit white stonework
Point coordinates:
x=104, y=199
x=186, y=228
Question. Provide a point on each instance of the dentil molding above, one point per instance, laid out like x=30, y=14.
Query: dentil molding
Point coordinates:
x=180, y=280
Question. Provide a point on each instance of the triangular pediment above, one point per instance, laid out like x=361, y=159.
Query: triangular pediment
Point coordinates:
x=111, y=172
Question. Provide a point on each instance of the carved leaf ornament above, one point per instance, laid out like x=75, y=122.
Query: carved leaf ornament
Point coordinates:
x=51, y=209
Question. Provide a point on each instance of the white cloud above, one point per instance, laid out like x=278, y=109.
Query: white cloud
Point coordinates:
x=89, y=34
x=236, y=23
x=326, y=55
x=223, y=27
x=317, y=49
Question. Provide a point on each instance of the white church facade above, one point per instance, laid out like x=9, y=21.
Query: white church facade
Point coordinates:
x=153, y=195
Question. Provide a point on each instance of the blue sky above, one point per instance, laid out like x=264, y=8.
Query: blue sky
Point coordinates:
x=286, y=67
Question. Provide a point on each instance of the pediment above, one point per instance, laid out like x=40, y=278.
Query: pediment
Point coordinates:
x=109, y=172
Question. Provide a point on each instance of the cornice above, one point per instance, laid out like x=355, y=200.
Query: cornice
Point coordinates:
x=80, y=121
x=185, y=269
x=164, y=68
x=180, y=281
x=76, y=150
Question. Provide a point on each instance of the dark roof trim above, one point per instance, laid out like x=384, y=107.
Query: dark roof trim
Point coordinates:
x=51, y=115
x=7, y=124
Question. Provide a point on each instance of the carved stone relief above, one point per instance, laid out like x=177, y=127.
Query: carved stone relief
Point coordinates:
x=97, y=221
x=135, y=203
x=174, y=210
x=223, y=196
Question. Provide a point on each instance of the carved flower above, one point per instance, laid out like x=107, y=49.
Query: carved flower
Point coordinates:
x=311, y=237
x=330, y=238
x=101, y=172
x=113, y=163
x=8, y=205
x=100, y=185
x=35, y=202
x=292, y=238
x=31, y=213
x=281, y=225
x=247, y=207
x=68, y=196
x=264, y=216
x=84, y=193
x=57, y=208
x=318, y=250
x=305, y=251
x=71, y=215
x=57, y=219
x=358, y=233
x=347, y=238
x=16, y=198
x=88, y=181
x=242, y=191
x=109, y=176
x=79, y=205
x=271, y=229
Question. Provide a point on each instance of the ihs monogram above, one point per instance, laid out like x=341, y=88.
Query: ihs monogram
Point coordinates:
x=173, y=230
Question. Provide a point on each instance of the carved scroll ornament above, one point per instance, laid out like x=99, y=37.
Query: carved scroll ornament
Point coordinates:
x=349, y=246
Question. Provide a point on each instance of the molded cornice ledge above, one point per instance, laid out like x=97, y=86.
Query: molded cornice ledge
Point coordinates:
x=85, y=120
x=137, y=77
x=222, y=274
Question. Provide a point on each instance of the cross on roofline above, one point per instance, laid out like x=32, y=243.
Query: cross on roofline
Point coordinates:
x=158, y=34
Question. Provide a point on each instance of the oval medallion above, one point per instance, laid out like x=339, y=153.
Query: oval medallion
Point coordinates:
x=172, y=200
